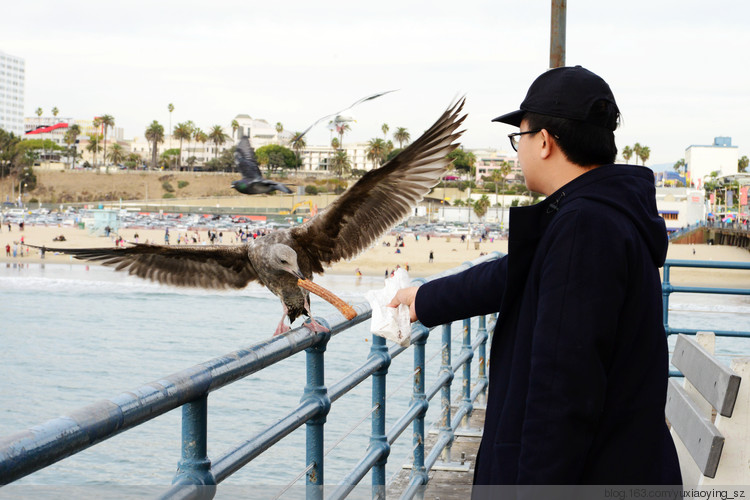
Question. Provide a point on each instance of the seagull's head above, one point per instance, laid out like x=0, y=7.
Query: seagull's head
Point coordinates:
x=284, y=258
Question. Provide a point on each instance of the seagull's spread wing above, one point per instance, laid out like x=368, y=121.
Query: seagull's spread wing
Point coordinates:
x=367, y=98
x=247, y=163
x=203, y=267
x=382, y=197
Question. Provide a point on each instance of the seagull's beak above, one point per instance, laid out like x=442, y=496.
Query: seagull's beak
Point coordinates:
x=297, y=273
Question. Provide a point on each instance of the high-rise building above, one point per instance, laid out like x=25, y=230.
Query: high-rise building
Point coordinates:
x=12, y=83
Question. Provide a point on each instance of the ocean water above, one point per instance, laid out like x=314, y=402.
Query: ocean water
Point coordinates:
x=71, y=335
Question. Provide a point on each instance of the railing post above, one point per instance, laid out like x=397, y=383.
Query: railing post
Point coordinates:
x=419, y=397
x=482, y=372
x=316, y=390
x=195, y=467
x=466, y=348
x=666, y=289
x=378, y=437
x=445, y=396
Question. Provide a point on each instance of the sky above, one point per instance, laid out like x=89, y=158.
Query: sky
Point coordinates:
x=676, y=67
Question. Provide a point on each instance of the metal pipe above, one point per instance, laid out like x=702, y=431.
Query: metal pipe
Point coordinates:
x=315, y=432
x=482, y=374
x=445, y=396
x=378, y=438
x=467, y=352
x=194, y=466
x=557, y=34
x=419, y=399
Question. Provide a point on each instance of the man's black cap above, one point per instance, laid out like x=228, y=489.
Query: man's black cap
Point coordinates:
x=568, y=92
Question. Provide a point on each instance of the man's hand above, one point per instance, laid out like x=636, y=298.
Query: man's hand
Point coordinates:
x=406, y=296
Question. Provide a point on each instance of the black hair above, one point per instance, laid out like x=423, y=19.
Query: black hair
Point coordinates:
x=583, y=142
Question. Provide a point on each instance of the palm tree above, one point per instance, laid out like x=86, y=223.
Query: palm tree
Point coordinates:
x=637, y=151
x=298, y=143
x=335, y=143
x=134, y=158
x=645, y=153
x=279, y=127
x=70, y=138
x=341, y=129
x=116, y=154
x=235, y=128
x=402, y=136
x=39, y=112
x=55, y=111
x=107, y=121
x=384, y=127
x=170, y=108
x=627, y=153
x=376, y=151
x=340, y=164
x=97, y=123
x=182, y=131
x=94, y=145
x=481, y=205
x=155, y=135
x=200, y=137
x=218, y=137
x=499, y=175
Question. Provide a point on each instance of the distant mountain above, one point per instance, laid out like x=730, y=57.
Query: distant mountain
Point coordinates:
x=662, y=167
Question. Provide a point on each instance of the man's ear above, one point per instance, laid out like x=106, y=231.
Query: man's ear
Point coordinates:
x=548, y=144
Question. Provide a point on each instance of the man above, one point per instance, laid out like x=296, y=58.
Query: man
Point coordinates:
x=579, y=360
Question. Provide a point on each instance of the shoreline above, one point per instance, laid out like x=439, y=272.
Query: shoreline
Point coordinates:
x=447, y=252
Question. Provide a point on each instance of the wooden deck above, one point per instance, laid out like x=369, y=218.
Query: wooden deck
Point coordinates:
x=446, y=484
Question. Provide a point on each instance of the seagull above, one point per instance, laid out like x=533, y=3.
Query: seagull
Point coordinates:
x=376, y=202
x=252, y=181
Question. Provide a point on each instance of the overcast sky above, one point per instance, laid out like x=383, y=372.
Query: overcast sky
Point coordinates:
x=678, y=69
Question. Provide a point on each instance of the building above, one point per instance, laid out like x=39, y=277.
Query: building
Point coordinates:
x=680, y=207
x=12, y=85
x=719, y=157
x=488, y=160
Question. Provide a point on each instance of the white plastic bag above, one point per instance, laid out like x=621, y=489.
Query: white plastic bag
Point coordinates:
x=389, y=322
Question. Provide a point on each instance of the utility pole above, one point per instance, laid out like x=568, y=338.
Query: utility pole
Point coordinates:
x=557, y=34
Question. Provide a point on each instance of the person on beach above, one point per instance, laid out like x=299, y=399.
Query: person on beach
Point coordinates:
x=579, y=359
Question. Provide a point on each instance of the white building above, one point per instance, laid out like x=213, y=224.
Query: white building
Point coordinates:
x=12, y=84
x=721, y=156
x=680, y=207
x=488, y=160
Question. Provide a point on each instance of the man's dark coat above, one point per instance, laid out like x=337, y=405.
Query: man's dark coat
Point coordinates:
x=579, y=360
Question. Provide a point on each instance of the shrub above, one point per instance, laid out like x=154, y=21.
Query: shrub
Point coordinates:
x=168, y=195
x=182, y=184
x=310, y=189
x=167, y=187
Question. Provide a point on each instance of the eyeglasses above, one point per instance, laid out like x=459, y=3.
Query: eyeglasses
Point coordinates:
x=516, y=136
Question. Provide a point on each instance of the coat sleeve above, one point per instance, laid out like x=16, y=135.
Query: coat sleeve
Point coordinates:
x=582, y=285
x=478, y=290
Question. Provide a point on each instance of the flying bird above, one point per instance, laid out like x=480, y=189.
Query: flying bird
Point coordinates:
x=252, y=181
x=375, y=203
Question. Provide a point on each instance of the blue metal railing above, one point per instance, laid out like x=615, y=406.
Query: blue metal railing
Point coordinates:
x=28, y=451
x=668, y=289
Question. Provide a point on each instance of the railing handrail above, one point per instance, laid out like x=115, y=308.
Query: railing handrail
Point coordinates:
x=28, y=451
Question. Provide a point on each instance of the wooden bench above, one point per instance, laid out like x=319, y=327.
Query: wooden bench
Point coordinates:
x=709, y=414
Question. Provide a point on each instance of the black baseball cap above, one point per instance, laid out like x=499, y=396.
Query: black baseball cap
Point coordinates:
x=568, y=92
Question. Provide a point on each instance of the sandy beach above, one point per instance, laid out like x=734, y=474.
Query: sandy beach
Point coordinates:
x=447, y=252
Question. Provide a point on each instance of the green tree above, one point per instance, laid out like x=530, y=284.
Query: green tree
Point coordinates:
x=679, y=165
x=39, y=112
x=274, y=156
x=55, y=111
x=224, y=163
x=133, y=160
x=106, y=121
x=463, y=160
x=155, y=135
x=94, y=146
x=200, y=137
x=481, y=205
x=376, y=151
x=335, y=143
x=182, y=131
x=279, y=127
x=341, y=129
x=340, y=164
x=235, y=127
x=742, y=164
x=170, y=108
x=9, y=153
x=627, y=153
x=218, y=137
x=70, y=138
x=637, y=151
x=402, y=136
x=645, y=152
x=384, y=127
x=499, y=175
x=116, y=154
x=298, y=143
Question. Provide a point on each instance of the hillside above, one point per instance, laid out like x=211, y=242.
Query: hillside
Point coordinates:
x=81, y=186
